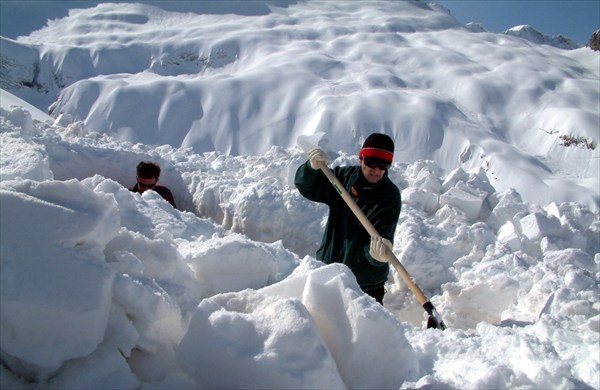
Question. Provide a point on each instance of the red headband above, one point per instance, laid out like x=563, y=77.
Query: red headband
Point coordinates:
x=377, y=153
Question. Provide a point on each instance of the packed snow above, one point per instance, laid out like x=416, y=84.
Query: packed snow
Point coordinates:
x=104, y=288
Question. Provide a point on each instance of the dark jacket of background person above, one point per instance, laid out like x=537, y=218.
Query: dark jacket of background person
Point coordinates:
x=162, y=190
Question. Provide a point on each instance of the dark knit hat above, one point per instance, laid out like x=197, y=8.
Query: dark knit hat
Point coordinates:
x=379, y=146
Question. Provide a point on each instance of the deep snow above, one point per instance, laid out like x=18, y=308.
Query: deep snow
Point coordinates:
x=239, y=84
x=102, y=288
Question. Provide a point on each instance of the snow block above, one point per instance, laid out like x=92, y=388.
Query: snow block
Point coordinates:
x=356, y=329
x=509, y=205
x=426, y=180
x=421, y=199
x=156, y=319
x=469, y=203
x=508, y=234
x=106, y=368
x=21, y=118
x=454, y=177
x=53, y=313
x=250, y=340
x=55, y=296
x=537, y=225
x=32, y=162
x=216, y=263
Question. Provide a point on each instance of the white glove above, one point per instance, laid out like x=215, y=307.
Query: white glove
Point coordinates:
x=380, y=248
x=316, y=157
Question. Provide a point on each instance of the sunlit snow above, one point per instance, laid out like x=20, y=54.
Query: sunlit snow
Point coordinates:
x=496, y=157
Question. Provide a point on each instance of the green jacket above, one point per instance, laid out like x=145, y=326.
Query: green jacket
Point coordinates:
x=345, y=240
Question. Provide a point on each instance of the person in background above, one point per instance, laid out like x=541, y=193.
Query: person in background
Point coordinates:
x=148, y=174
x=345, y=240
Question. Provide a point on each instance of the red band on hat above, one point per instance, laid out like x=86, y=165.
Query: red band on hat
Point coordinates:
x=377, y=153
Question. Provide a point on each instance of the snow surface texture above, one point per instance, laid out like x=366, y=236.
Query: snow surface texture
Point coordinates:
x=239, y=84
x=103, y=288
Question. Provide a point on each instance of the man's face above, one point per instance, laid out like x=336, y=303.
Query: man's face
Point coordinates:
x=146, y=183
x=372, y=170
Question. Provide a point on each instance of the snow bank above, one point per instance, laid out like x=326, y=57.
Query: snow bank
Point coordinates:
x=354, y=328
x=104, y=288
x=240, y=82
x=266, y=341
x=32, y=161
x=56, y=286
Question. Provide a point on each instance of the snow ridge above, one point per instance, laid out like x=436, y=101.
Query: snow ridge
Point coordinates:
x=533, y=35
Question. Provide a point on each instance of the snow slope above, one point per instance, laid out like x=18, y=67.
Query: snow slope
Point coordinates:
x=239, y=84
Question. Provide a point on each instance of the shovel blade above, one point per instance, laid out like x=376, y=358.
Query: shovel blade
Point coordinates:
x=312, y=141
x=433, y=323
x=434, y=320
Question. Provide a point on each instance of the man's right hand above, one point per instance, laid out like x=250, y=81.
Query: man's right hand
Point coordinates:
x=316, y=158
x=380, y=248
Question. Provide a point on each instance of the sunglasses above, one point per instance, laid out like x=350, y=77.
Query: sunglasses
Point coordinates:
x=144, y=185
x=373, y=163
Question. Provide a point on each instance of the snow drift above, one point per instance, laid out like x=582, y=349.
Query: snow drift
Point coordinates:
x=239, y=84
x=104, y=288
